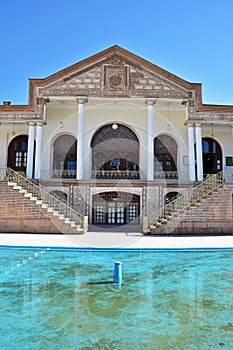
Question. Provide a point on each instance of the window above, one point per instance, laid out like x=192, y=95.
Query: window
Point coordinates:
x=165, y=154
x=229, y=161
x=65, y=157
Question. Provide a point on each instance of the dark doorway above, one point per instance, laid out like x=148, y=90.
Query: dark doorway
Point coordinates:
x=116, y=208
x=17, y=153
x=212, y=156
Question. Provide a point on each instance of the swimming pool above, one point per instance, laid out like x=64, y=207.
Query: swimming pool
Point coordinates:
x=65, y=299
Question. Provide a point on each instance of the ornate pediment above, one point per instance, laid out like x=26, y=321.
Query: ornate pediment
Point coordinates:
x=84, y=83
x=114, y=72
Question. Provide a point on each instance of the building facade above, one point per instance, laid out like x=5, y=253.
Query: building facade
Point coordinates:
x=116, y=136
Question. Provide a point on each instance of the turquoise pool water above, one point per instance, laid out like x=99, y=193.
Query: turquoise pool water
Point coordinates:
x=65, y=299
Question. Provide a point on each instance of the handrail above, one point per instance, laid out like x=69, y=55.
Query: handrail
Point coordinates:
x=184, y=201
x=51, y=200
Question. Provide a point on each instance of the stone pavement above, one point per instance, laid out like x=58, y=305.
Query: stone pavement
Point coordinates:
x=114, y=240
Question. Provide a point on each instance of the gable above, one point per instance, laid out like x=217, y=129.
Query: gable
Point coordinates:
x=114, y=72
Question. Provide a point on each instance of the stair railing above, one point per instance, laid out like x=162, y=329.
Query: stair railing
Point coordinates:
x=51, y=200
x=211, y=182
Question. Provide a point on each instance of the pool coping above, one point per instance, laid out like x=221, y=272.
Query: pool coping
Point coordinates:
x=94, y=249
x=113, y=240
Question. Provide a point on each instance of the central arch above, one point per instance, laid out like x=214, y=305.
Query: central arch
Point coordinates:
x=115, y=153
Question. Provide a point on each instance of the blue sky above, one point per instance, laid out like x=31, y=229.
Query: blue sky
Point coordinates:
x=192, y=39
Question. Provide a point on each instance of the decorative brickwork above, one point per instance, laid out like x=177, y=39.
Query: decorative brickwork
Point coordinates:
x=211, y=117
x=80, y=199
x=153, y=199
x=114, y=80
x=87, y=83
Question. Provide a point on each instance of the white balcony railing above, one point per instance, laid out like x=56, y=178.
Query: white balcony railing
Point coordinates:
x=169, y=175
x=115, y=174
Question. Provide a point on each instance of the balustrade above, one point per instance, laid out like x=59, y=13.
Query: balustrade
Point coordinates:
x=63, y=174
x=116, y=174
x=171, y=175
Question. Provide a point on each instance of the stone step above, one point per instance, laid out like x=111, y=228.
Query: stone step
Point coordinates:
x=16, y=187
x=22, y=191
x=34, y=199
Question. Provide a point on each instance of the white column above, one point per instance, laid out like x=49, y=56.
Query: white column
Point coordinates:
x=30, y=150
x=80, y=136
x=39, y=132
x=150, y=138
x=191, y=142
x=199, y=152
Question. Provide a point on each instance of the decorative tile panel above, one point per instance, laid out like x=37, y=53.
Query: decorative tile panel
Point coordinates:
x=115, y=80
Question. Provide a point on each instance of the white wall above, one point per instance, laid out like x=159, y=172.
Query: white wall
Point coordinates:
x=99, y=112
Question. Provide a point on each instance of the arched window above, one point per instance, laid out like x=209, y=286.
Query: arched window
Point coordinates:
x=64, y=157
x=17, y=153
x=115, y=153
x=165, y=157
x=212, y=156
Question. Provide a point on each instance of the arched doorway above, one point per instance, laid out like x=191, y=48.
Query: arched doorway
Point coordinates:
x=115, y=153
x=212, y=156
x=116, y=208
x=17, y=153
x=168, y=201
x=60, y=195
x=165, y=157
x=64, y=157
x=170, y=196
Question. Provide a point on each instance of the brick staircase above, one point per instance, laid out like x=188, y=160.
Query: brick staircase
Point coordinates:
x=20, y=211
x=212, y=214
x=204, y=209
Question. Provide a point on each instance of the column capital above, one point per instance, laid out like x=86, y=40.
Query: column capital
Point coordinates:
x=198, y=124
x=40, y=123
x=42, y=100
x=185, y=103
x=189, y=124
x=150, y=101
x=82, y=99
x=31, y=123
x=46, y=100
